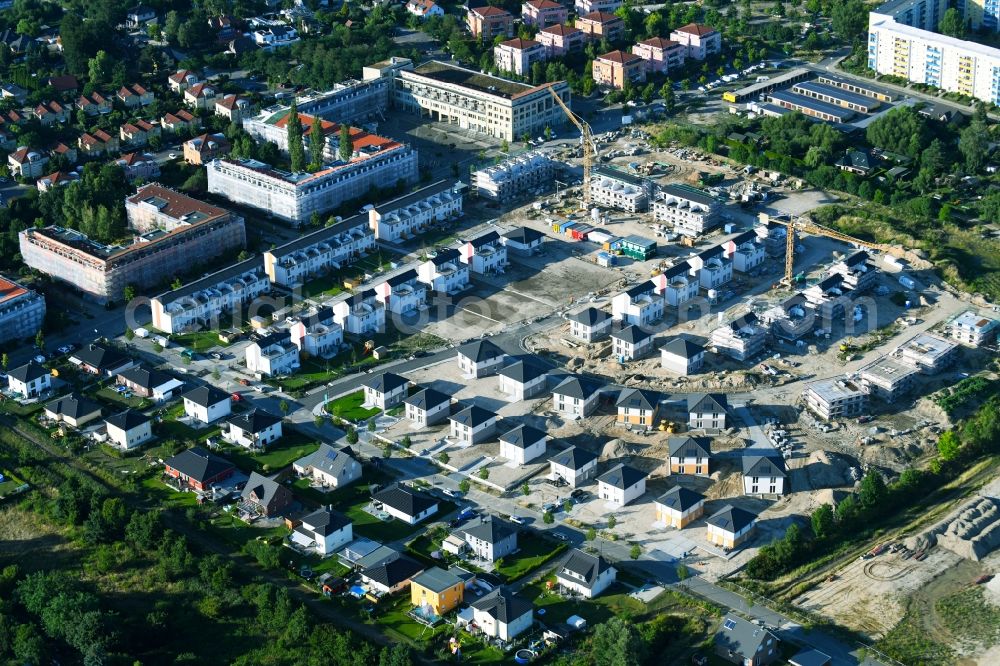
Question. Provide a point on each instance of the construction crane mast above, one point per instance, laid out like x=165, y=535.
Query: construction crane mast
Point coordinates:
x=804, y=225
x=587, y=140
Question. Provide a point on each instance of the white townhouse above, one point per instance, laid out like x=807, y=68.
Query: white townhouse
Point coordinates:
x=324, y=532
x=573, y=465
x=522, y=380
x=713, y=268
x=129, y=429
x=316, y=333
x=677, y=284
x=317, y=253
x=590, y=324
x=631, y=343
x=427, y=407
x=272, y=354
x=413, y=214
x=640, y=305
x=523, y=444
x=328, y=467
x=386, y=390
x=485, y=254
x=29, y=380
x=402, y=293
x=254, y=429
x=746, y=251
x=576, y=397
x=707, y=411
x=360, y=314
x=444, y=273
x=621, y=484
x=585, y=574
x=473, y=425
x=409, y=505
x=207, y=404
x=764, y=475
x=480, y=358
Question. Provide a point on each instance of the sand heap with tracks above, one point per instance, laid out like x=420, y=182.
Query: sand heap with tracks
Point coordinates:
x=973, y=534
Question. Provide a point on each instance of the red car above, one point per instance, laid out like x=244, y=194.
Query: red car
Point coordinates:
x=237, y=397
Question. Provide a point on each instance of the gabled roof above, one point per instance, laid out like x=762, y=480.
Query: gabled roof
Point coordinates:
x=631, y=334
x=634, y=398
x=263, y=491
x=523, y=371
x=680, y=499
x=590, y=316
x=561, y=30
x=690, y=447
x=489, y=11
x=574, y=458
x=520, y=44
x=72, y=406
x=525, y=235
x=577, y=387
x=543, y=4
x=622, y=476
x=28, y=372
x=427, y=398
x=620, y=57
x=705, y=402
x=127, y=420
x=326, y=459
x=731, y=518
x=198, y=464
x=473, y=416
x=478, y=351
x=763, y=466
x=387, y=382
x=490, y=529
x=590, y=567
x=659, y=43
x=255, y=420
x=405, y=500
x=394, y=570
x=147, y=379
x=523, y=436
x=503, y=605
x=326, y=521
x=742, y=637
x=601, y=17
x=682, y=348
x=100, y=357
x=206, y=396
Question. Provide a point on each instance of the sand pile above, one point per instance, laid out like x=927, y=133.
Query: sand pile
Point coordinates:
x=975, y=532
x=825, y=469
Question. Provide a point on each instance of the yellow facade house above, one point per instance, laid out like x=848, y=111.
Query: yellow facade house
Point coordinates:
x=437, y=590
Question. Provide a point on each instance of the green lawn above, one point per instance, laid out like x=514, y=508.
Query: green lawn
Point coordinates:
x=119, y=401
x=614, y=601
x=234, y=531
x=328, y=285
x=290, y=447
x=9, y=483
x=532, y=554
x=198, y=341
x=184, y=432
x=167, y=497
x=10, y=406
x=349, y=407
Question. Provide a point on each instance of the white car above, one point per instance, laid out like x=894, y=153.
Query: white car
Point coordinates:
x=172, y=156
x=40, y=359
x=518, y=520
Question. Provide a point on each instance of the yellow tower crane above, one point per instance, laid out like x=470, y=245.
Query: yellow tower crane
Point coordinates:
x=587, y=140
x=804, y=225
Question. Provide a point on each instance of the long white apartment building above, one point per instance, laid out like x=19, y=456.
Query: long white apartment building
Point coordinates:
x=445, y=273
x=613, y=188
x=200, y=304
x=901, y=42
x=411, y=214
x=377, y=162
x=515, y=175
x=490, y=105
x=316, y=253
x=690, y=211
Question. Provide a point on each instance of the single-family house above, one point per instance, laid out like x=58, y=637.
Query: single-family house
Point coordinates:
x=638, y=409
x=264, y=496
x=386, y=390
x=436, y=591
x=679, y=507
x=232, y=107
x=409, y=505
x=424, y=9
x=746, y=643
x=427, y=407
x=730, y=526
x=30, y=380
x=73, y=410
x=590, y=324
x=576, y=397
x=135, y=96
x=764, y=475
x=682, y=357
x=473, y=425
x=139, y=16
x=707, y=411
x=640, y=305
x=207, y=404
x=254, y=429
x=198, y=468
x=523, y=444
x=56, y=179
x=402, y=292
x=479, y=358
x=523, y=380
x=323, y=531
x=180, y=121
x=272, y=354
x=391, y=575
x=586, y=574
x=153, y=384
x=573, y=466
x=129, y=429
x=328, y=467
x=49, y=113
x=523, y=240
x=94, y=104
x=621, y=484
x=97, y=359
x=502, y=614
x=631, y=343
x=206, y=147
x=489, y=537
x=690, y=455
x=27, y=163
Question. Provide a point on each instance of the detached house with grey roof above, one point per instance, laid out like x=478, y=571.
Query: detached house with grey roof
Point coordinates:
x=573, y=466
x=328, y=467
x=707, y=411
x=207, y=404
x=522, y=380
x=502, y=614
x=323, y=531
x=631, y=343
x=590, y=324
x=264, y=496
x=764, y=475
x=576, y=397
x=29, y=380
x=743, y=642
x=480, y=358
x=585, y=574
x=489, y=537
x=523, y=444
x=386, y=390
x=473, y=425
x=682, y=357
x=427, y=407
x=621, y=484
x=409, y=505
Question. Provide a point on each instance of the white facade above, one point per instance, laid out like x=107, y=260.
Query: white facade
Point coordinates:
x=132, y=438
x=620, y=494
x=518, y=55
x=972, y=328
x=326, y=541
x=209, y=413
x=30, y=386
x=316, y=338
x=515, y=175
x=413, y=214
x=445, y=273
x=518, y=448
x=485, y=254
x=640, y=306
x=204, y=301
x=250, y=440
x=591, y=332
x=584, y=7
x=402, y=293
x=835, y=398
x=574, y=584
x=746, y=252
x=612, y=188
x=505, y=631
x=319, y=252
x=678, y=284
x=360, y=314
x=272, y=356
x=690, y=211
x=701, y=40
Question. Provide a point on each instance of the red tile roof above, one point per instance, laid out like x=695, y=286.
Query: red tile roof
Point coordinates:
x=561, y=30
x=489, y=11
x=696, y=29
x=9, y=290
x=659, y=43
x=619, y=57
x=601, y=17
x=543, y=4
x=518, y=43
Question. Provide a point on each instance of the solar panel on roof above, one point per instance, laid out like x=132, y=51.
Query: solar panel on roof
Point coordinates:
x=730, y=624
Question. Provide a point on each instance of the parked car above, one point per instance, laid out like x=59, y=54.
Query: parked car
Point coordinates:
x=518, y=520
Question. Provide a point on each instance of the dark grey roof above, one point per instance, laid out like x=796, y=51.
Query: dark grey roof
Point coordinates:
x=745, y=321
x=447, y=256
x=427, y=398
x=810, y=657
x=523, y=371
x=707, y=402
x=712, y=252
x=638, y=399
x=473, y=416
x=394, y=570
x=622, y=476
x=327, y=459
x=503, y=605
x=589, y=566
x=574, y=458
x=490, y=529
x=324, y=235
x=480, y=350
x=402, y=277
x=690, y=447
x=405, y=500
x=632, y=334
x=741, y=637
x=689, y=193
x=436, y=579
x=387, y=382
x=859, y=258
x=127, y=420
x=147, y=379
x=100, y=357
x=641, y=288
x=831, y=281
x=523, y=436
x=524, y=235
x=263, y=491
x=73, y=406
x=255, y=265
x=857, y=159
x=577, y=387
x=28, y=372
x=206, y=396
x=282, y=338
x=731, y=518
x=255, y=420
x=590, y=316
x=387, y=207
x=683, y=348
x=763, y=466
x=618, y=174
x=326, y=521
x=680, y=498
x=485, y=239
x=680, y=268
x=198, y=464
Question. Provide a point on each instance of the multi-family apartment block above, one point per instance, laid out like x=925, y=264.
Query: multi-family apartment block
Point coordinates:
x=157, y=208
x=201, y=304
x=661, y=56
x=617, y=69
x=518, y=55
x=559, y=40
x=543, y=13
x=319, y=252
x=412, y=214
x=601, y=25
x=836, y=398
x=791, y=319
x=22, y=311
x=701, y=41
x=690, y=211
x=515, y=175
x=974, y=329
x=614, y=188
x=488, y=23
x=584, y=7
x=888, y=378
x=928, y=353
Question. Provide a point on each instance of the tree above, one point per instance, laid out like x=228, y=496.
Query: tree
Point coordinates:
x=484, y=473
x=100, y=67
x=397, y=655
x=318, y=420
x=371, y=425
x=352, y=435
x=387, y=450
x=176, y=284
x=296, y=152
x=635, y=551
x=4, y=360
x=974, y=144
x=346, y=145
x=444, y=458
x=316, y=144
x=406, y=442
x=612, y=521
x=548, y=518
x=683, y=573
x=901, y=130
x=872, y=491
x=525, y=489
x=128, y=293
x=591, y=534
x=617, y=643
x=948, y=445
x=464, y=485
x=129, y=333
x=849, y=19
x=669, y=96
x=40, y=340
x=822, y=521
x=504, y=146
x=951, y=24
x=283, y=406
